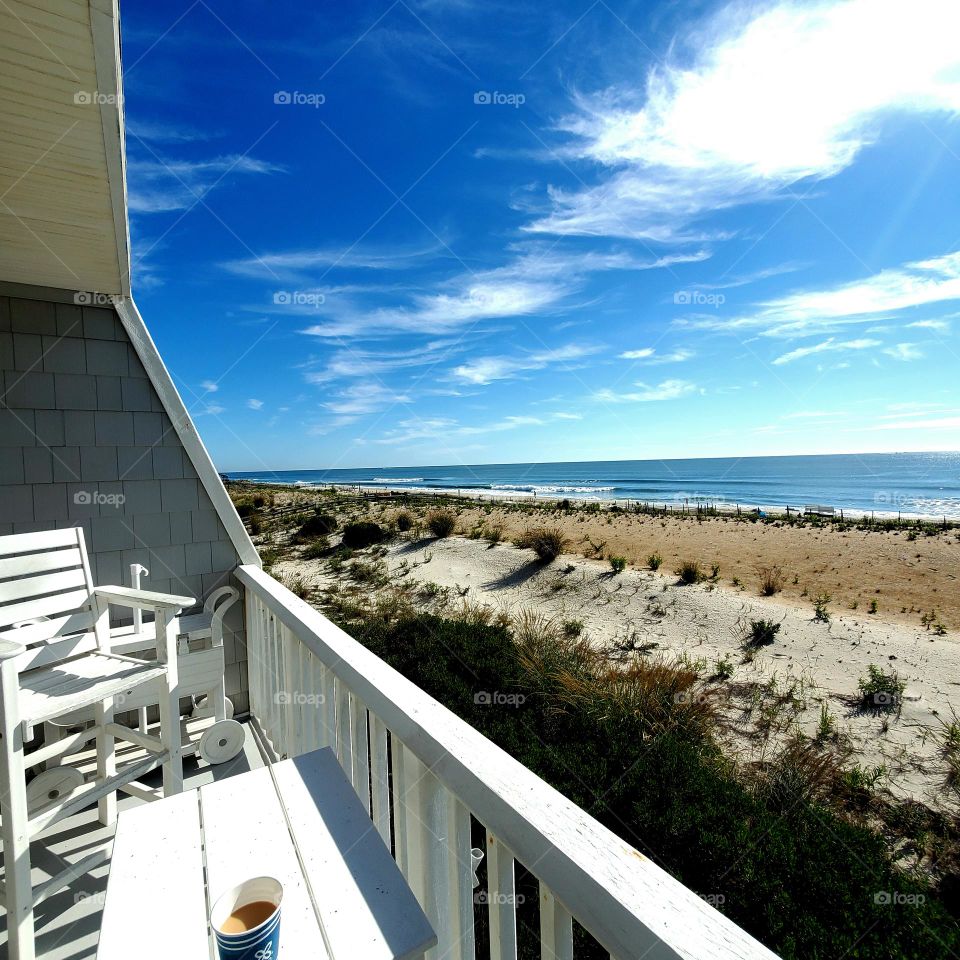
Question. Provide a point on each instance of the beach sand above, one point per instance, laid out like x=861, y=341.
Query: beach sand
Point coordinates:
x=811, y=665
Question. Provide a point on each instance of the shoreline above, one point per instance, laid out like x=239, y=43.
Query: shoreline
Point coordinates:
x=724, y=508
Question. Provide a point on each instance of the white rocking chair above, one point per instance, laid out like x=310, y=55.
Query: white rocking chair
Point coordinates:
x=55, y=657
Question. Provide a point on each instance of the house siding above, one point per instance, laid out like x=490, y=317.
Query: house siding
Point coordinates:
x=85, y=441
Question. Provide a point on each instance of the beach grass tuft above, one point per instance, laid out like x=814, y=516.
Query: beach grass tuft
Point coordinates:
x=441, y=523
x=546, y=542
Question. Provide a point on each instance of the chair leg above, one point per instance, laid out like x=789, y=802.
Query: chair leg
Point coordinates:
x=106, y=759
x=15, y=830
x=170, y=705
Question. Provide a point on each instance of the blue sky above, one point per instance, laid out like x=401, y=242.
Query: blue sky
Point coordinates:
x=467, y=231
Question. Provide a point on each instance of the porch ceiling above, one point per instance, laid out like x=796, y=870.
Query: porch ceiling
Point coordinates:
x=62, y=195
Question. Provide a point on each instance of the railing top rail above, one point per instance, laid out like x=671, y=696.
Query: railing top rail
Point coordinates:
x=632, y=906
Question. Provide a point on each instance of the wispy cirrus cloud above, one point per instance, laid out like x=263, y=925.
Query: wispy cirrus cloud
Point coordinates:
x=365, y=397
x=538, y=279
x=701, y=134
x=161, y=186
x=649, y=393
x=484, y=370
x=904, y=351
x=443, y=428
x=878, y=297
x=650, y=357
x=295, y=264
x=827, y=346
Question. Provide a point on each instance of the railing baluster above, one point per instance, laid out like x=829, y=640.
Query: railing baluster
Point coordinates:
x=463, y=946
x=291, y=684
x=379, y=777
x=361, y=762
x=435, y=856
x=344, y=743
x=329, y=714
x=556, y=927
x=314, y=703
x=501, y=900
x=397, y=751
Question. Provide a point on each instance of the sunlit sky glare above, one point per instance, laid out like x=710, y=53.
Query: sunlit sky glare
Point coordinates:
x=467, y=231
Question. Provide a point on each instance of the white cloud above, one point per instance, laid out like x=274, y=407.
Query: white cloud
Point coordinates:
x=483, y=370
x=365, y=397
x=827, y=346
x=210, y=386
x=667, y=390
x=159, y=186
x=874, y=298
x=536, y=280
x=296, y=263
x=941, y=326
x=650, y=356
x=760, y=99
x=904, y=351
x=254, y=404
x=361, y=362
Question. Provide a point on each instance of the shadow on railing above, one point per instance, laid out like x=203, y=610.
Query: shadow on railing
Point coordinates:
x=422, y=773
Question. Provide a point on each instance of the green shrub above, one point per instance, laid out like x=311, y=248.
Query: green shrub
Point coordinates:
x=690, y=572
x=881, y=691
x=762, y=633
x=618, y=564
x=654, y=561
x=404, y=521
x=820, y=611
x=319, y=525
x=546, y=543
x=363, y=533
x=315, y=550
x=441, y=523
x=823, y=882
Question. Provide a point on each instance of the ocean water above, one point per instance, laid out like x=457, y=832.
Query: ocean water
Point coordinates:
x=887, y=483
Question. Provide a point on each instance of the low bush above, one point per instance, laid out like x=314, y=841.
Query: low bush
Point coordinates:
x=618, y=564
x=315, y=550
x=761, y=633
x=319, y=525
x=363, y=533
x=404, y=521
x=880, y=690
x=654, y=561
x=619, y=746
x=546, y=543
x=690, y=571
x=441, y=523
x=771, y=580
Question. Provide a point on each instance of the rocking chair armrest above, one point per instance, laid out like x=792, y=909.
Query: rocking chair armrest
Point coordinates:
x=143, y=599
x=10, y=649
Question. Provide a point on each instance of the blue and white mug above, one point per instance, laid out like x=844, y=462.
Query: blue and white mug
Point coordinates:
x=261, y=942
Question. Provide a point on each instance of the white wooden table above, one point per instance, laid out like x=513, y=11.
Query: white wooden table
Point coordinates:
x=299, y=821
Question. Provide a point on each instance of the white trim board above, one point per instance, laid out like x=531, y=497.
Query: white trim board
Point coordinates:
x=105, y=30
x=186, y=430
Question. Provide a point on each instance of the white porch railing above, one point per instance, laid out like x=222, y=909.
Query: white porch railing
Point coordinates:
x=312, y=685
